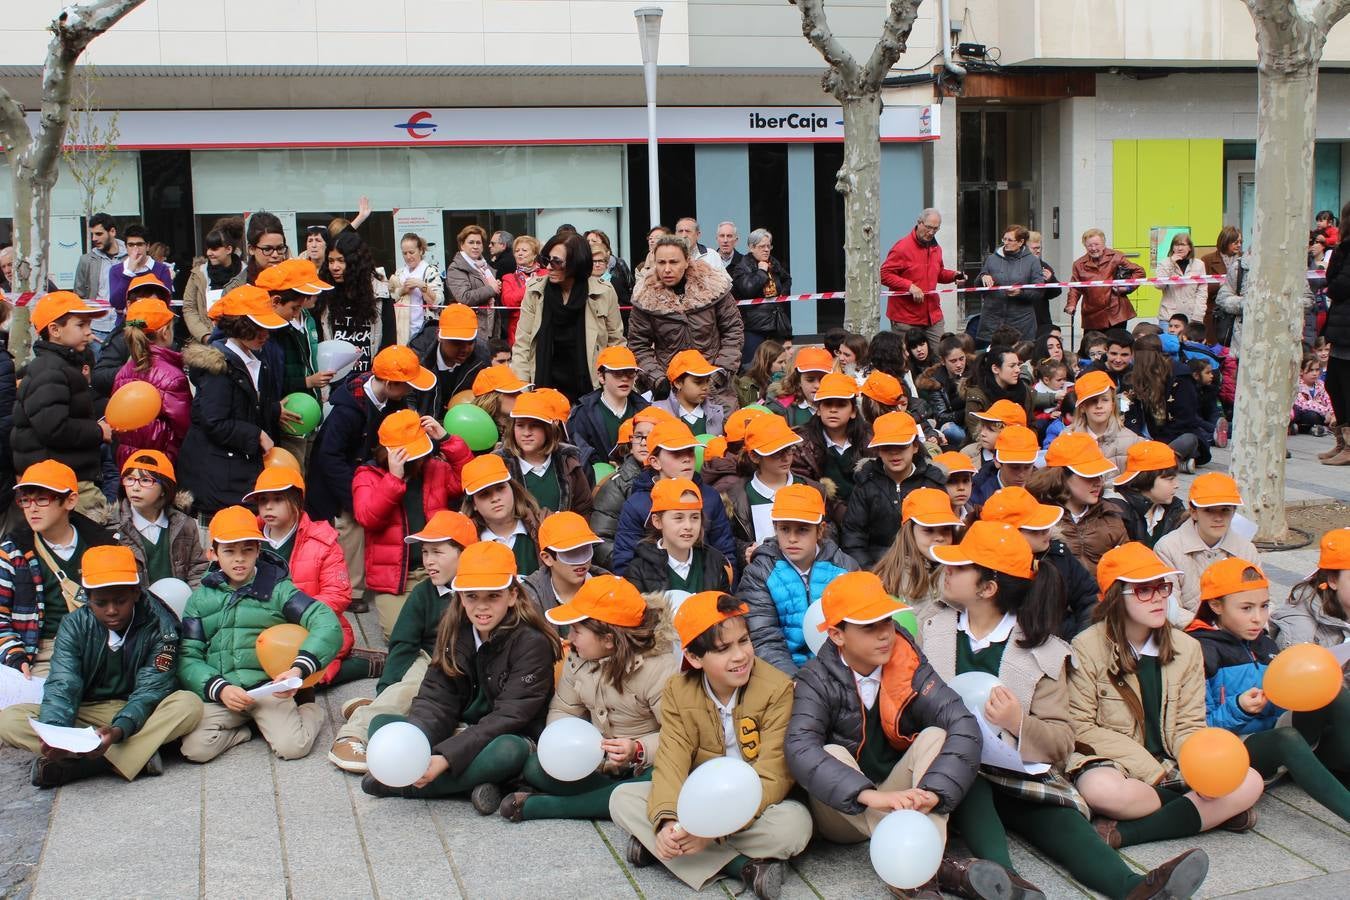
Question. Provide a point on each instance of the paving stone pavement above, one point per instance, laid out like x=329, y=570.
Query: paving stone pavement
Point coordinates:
x=251, y=825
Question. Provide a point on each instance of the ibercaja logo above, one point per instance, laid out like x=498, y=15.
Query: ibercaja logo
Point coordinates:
x=795, y=121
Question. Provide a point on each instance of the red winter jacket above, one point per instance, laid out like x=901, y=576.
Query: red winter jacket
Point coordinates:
x=166, y=433
x=377, y=503
x=909, y=263
x=319, y=569
x=513, y=295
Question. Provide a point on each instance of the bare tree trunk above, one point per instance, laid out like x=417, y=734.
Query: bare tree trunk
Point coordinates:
x=42, y=228
x=860, y=182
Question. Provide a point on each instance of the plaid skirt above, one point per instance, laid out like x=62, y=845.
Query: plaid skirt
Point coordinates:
x=1052, y=788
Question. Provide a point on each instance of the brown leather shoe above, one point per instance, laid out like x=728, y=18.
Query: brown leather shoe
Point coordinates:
x=1179, y=877
x=1243, y=821
x=927, y=891
x=512, y=808
x=1107, y=831
x=1023, y=889
x=764, y=877
x=637, y=855
x=978, y=879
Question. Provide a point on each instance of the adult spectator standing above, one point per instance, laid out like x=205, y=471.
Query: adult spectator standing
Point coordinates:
x=416, y=288
x=1011, y=263
x=1042, y=306
x=688, y=229
x=500, y=253
x=616, y=272
x=470, y=279
x=1227, y=253
x=525, y=252
x=1337, y=332
x=1187, y=299
x=137, y=262
x=685, y=304
x=210, y=274
x=727, y=238
x=914, y=269
x=93, y=271
x=760, y=274
x=1103, y=307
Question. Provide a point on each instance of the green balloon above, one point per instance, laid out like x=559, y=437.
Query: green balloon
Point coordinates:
x=758, y=406
x=703, y=438
x=602, y=471
x=307, y=408
x=473, y=424
x=906, y=620
x=698, y=457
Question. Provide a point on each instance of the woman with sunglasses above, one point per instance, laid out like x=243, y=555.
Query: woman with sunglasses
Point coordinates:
x=566, y=319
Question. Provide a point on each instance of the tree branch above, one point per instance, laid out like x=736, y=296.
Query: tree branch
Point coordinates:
x=1324, y=14
x=845, y=75
x=14, y=130
x=894, y=38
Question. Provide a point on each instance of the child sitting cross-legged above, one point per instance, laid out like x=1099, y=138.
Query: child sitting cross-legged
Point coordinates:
x=112, y=669
x=1205, y=539
x=674, y=556
x=165, y=540
x=245, y=591
x=725, y=703
x=613, y=676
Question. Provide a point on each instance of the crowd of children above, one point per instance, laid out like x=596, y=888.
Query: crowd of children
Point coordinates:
x=663, y=567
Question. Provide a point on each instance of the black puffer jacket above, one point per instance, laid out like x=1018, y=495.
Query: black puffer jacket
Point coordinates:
x=1134, y=507
x=513, y=667
x=827, y=709
x=8, y=388
x=221, y=455
x=1080, y=591
x=942, y=394
x=56, y=414
x=872, y=519
x=346, y=438
x=748, y=281
x=114, y=356
x=1337, y=326
x=649, y=572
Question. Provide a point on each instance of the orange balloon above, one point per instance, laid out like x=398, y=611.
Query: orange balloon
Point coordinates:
x=278, y=456
x=277, y=648
x=1302, y=678
x=461, y=397
x=1214, y=762
x=134, y=405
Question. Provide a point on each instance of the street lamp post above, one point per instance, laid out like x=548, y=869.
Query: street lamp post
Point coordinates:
x=649, y=36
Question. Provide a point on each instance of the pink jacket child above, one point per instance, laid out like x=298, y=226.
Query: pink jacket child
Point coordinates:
x=167, y=431
x=1313, y=398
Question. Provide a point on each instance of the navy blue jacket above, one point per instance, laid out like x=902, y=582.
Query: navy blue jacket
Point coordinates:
x=346, y=438
x=637, y=510
x=1080, y=590
x=586, y=427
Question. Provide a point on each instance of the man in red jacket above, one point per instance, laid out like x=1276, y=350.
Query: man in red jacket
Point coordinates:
x=914, y=268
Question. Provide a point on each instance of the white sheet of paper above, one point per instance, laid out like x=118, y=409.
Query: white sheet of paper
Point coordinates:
x=14, y=688
x=274, y=687
x=76, y=740
x=1000, y=755
x=762, y=516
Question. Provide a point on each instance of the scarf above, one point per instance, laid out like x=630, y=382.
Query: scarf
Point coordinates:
x=219, y=276
x=481, y=266
x=556, y=311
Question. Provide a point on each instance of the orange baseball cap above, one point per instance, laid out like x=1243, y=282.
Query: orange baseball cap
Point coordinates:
x=954, y=462
x=483, y=472
x=1146, y=456
x=858, y=598
x=699, y=612
x=1005, y=411
x=295, y=274
x=447, y=525
x=616, y=359
x=836, y=386
x=768, y=435
x=993, y=545
x=233, y=525
x=1335, y=550
x=1079, y=453
x=50, y=474
x=736, y=423
x=1224, y=577
x=668, y=495
x=1133, y=563
x=716, y=448
x=485, y=566
x=557, y=402
x=248, y=300
x=108, y=565
x=148, y=280
x=798, y=503
x=154, y=461
x=1018, y=507
x=690, y=362
x=894, y=429
x=275, y=479
x=1016, y=444
x=1214, y=489
x=403, y=430
x=53, y=306
x=500, y=379
x=152, y=312
x=929, y=507
x=565, y=531
x=534, y=405
x=458, y=323
x=813, y=359
x=883, y=388
x=1092, y=384
x=607, y=598
x=671, y=434
x=398, y=363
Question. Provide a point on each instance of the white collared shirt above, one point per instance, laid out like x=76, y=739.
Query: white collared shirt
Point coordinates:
x=487, y=534
x=277, y=542
x=539, y=470
x=841, y=447
x=1154, y=516
x=115, y=640
x=251, y=362
x=149, y=530
x=679, y=568
x=65, y=551
x=728, y=716
x=691, y=416
x=369, y=388
x=1150, y=648
x=869, y=685
x=618, y=413
x=997, y=636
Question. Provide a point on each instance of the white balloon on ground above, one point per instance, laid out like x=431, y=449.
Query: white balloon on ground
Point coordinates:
x=814, y=616
x=174, y=592
x=569, y=749
x=974, y=688
x=719, y=798
x=398, y=754
x=337, y=357
x=906, y=849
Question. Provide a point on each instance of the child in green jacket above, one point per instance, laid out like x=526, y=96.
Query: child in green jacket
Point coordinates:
x=245, y=592
x=112, y=669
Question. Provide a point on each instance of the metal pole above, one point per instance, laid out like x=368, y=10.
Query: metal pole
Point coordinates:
x=653, y=182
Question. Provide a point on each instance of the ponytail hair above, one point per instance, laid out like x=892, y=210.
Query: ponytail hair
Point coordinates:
x=1037, y=602
x=138, y=345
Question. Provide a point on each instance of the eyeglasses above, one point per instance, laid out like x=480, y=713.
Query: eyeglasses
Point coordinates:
x=273, y=250
x=142, y=480
x=41, y=501
x=556, y=263
x=1152, y=591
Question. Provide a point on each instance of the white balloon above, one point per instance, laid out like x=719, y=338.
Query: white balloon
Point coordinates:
x=719, y=798
x=906, y=849
x=337, y=357
x=974, y=688
x=174, y=592
x=815, y=638
x=398, y=754
x=569, y=749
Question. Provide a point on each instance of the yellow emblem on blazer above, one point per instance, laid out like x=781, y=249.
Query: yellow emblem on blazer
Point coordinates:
x=749, y=737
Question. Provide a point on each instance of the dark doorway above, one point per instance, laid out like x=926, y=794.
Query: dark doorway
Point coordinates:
x=677, y=192
x=166, y=199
